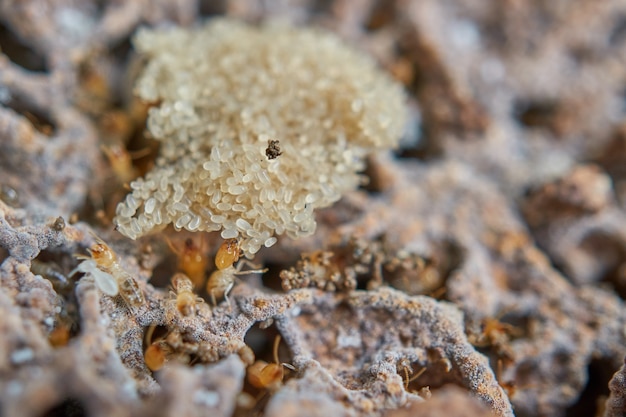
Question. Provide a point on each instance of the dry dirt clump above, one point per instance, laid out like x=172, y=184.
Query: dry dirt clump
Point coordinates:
x=230, y=95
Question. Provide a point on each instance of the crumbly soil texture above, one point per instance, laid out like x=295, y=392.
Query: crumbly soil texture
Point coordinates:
x=479, y=269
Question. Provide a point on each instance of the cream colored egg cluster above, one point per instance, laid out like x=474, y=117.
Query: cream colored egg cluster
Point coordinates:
x=223, y=91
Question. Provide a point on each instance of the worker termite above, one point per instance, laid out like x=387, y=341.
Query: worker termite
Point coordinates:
x=117, y=125
x=407, y=368
x=120, y=161
x=263, y=375
x=123, y=171
x=65, y=324
x=190, y=352
x=222, y=280
x=267, y=378
x=59, y=336
x=191, y=260
x=169, y=348
x=157, y=353
x=110, y=278
x=184, y=297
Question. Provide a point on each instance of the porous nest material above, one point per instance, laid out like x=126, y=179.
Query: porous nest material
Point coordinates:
x=355, y=375
x=577, y=221
x=47, y=148
x=222, y=92
x=518, y=309
x=404, y=335
x=449, y=401
x=507, y=97
x=616, y=403
x=340, y=267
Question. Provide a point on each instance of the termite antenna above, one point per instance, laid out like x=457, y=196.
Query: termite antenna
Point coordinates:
x=406, y=378
x=417, y=375
x=276, y=344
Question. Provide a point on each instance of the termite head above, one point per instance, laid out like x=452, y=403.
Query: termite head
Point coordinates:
x=102, y=254
x=59, y=336
x=265, y=375
x=227, y=254
x=155, y=356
